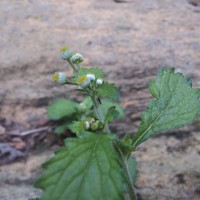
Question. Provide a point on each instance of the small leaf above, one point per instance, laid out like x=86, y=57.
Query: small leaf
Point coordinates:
x=59, y=130
x=108, y=90
x=153, y=89
x=106, y=104
x=61, y=108
x=86, y=169
x=176, y=105
x=85, y=105
x=77, y=127
x=112, y=114
x=96, y=71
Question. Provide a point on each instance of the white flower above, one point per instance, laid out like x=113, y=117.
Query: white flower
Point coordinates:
x=60, y=78
x=83, y=81
x=91, y=76
x=99, y=81
x=77, y=58
x=66, y=53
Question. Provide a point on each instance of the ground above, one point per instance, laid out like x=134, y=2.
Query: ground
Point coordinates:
x=130, y=40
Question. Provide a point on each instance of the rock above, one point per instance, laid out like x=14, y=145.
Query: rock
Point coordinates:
x=2, y=130
x=130, y=41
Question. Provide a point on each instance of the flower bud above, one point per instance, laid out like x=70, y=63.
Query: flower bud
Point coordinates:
x=99, y=81
x=66, y=53
x=77, y=58
x=91, y=120
x=100, y=124
x=60, y=78
x=87, y=125
x=94, y=126
x=91, y=76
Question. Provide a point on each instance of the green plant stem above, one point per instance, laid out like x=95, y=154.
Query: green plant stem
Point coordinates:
x=130, y=187
x=72, y=65
x=99, y=112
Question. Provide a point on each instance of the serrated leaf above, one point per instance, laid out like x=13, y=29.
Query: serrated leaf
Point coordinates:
x=61, y=108
x=106, y=104
x=176, y=105
x=96, y=71
x=112, y=114
x=108, y=90
x=86, y=169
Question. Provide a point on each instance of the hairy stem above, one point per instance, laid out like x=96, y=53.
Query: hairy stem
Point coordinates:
x=72, y=65
x=130, y=187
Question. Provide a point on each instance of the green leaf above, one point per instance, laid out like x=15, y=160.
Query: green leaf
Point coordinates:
x=85, y=105
x=112, y=114
x=96, y=71
x=61, y=128
x=61, y=108
x=77, y=127
x=176, y=105
x=108, y=90
x=86, y=169
x=106, y=104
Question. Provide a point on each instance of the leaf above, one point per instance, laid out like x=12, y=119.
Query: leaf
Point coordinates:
x=85, y=105
x=77, y=127
x=112, y=114
x=108, y=90
x=106, y=104
x=61, y=128
x=96, y=71
x=176, y=105
x=61, y=108
x=86, y=169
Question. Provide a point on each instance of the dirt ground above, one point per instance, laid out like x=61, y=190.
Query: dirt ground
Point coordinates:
x=130, y=40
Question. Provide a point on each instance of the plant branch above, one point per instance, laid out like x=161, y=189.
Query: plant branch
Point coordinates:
x=130, y=187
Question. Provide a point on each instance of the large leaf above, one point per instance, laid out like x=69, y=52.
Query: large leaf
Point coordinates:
x=86, y=169
x=175, y=105
x=61, y=108
x=108, y=90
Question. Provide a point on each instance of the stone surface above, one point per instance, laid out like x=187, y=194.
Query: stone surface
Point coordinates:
x=130, y=41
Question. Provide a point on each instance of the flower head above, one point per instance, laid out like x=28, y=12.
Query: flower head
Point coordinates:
x=66, y=53
x=83, y=81
x=99, y=81
x=76, y=58
x=60, y=78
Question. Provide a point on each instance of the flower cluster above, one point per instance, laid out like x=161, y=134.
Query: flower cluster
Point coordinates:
x=83, y=81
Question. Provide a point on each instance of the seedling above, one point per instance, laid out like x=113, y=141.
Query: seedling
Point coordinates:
x=97, y=164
